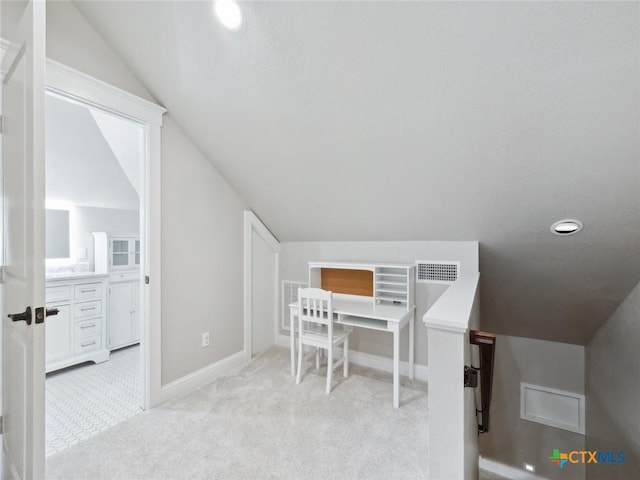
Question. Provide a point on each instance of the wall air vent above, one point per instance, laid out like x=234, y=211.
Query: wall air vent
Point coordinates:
x=429, y=271
x=289, y=295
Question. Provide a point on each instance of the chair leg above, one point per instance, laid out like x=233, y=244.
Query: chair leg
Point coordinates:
x=300, y=356
x=329, y=368
x=345, y=366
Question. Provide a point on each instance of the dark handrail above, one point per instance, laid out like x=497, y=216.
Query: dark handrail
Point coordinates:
x=487, y=345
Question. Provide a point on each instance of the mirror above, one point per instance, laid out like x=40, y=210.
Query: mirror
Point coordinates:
x=58, y=243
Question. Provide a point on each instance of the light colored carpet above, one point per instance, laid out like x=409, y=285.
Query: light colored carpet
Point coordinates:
x=86, y=399
x=259, y=425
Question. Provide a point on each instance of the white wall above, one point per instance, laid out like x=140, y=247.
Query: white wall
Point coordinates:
x=72, y=41
x=81, y=166
x=294, y=258
x=512, y=440
x=125, y=142
x=110, y=220
x=201, y=217
x=202, y=258
x=613, y=391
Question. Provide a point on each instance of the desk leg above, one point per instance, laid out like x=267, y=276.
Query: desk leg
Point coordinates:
x=292, y=334
x=396, y=367
x=411, y=346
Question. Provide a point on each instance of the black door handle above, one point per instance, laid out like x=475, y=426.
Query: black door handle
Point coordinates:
x=41, y=313
x=23, y=316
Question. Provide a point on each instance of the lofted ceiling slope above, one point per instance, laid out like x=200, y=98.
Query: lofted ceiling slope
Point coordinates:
x=421, y=121
x=81, y=165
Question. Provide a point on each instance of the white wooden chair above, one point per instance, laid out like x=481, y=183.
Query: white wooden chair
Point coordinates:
x=316, y=328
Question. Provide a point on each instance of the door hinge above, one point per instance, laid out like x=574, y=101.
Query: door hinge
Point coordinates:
x=470, y=377
x=1, y=124
x=146, y=279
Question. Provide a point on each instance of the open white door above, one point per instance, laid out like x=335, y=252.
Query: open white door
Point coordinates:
x=22, y=289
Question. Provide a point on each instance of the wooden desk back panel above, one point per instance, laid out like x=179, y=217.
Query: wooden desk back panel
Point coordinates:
x=348, y=281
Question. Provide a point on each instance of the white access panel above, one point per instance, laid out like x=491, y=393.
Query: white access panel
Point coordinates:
x=549, y=406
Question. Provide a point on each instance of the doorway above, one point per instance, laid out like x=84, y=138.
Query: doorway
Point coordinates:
x=93, y=167
x=80, y=88
x=261, y=278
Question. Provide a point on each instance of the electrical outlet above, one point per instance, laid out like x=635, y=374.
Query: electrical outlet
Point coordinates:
x=205, y=339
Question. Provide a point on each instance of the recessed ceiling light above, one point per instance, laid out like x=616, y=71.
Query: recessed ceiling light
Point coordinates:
x=566, y=227
x=229, y=13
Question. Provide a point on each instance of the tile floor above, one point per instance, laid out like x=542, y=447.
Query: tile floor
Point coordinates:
x=84, y=400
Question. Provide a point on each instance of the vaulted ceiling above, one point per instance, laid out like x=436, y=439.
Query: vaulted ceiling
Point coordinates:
x=421, y=121
x=82, y=167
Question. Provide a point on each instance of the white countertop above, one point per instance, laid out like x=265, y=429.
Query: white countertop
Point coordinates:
x=74, y=275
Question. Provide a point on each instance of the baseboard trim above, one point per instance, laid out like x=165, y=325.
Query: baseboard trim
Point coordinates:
x=506, y=470
x=205, y=375
x=372, y=361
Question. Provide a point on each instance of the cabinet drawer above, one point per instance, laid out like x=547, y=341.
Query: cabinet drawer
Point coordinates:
x=87, y=291
x=87, y=309
x=86, y=345
x=59, y=293
x=125, y=276
x=86, y=328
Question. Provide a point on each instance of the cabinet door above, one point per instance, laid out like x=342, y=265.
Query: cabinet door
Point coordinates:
x=135, y=318
x=58, y=334
x=120, y=253
x=135, y=252
x=119, y=323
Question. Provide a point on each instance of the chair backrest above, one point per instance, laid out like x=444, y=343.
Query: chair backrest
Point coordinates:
x=314, y=306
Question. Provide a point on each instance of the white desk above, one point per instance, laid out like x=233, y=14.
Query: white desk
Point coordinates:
x=366, y=314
